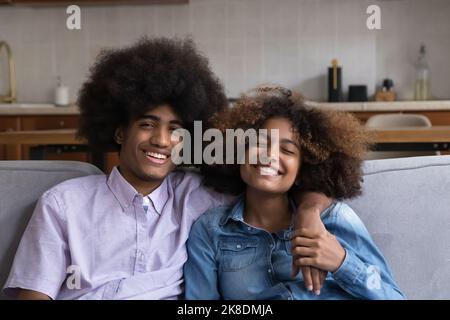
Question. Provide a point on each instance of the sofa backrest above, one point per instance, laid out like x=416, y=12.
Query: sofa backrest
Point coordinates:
x=21, y=184
x=406, y=207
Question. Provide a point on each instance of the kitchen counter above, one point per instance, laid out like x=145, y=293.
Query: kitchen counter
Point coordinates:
x=19, y=109
x=438, y=105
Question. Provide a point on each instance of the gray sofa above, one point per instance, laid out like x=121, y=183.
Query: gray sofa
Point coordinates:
x=405, y=206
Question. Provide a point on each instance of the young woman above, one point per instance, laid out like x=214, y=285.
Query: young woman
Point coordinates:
x=244, y=251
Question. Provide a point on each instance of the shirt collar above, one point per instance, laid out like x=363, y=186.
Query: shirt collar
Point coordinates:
x=159, y=197
x=237, y=214
x=121, y=188
x=125, y=192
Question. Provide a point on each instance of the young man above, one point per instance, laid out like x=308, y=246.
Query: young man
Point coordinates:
x=123, y=236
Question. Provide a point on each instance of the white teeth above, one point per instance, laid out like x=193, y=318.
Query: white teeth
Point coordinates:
x=268, y=171
x=156, y=155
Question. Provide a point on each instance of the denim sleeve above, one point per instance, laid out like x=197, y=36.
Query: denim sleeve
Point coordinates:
x=364, y=273
x=200, y=270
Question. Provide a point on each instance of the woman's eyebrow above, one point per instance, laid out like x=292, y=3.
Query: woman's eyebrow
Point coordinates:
x=285, y=140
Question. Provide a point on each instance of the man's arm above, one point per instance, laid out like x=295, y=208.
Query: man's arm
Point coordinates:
x=23, y=294
x=40, y=262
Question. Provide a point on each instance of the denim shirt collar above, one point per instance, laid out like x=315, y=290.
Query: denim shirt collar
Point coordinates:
x=237, y=214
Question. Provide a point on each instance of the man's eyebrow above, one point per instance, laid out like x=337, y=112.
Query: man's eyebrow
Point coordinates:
x=156, y=118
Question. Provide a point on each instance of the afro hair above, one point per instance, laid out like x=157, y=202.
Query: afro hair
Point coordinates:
x=332, y=143
x=126, y=83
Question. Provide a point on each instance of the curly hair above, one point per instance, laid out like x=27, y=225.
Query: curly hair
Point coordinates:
x=126, y=83
x=332, y=143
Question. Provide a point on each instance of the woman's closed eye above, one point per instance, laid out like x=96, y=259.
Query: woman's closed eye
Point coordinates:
x=288, y=150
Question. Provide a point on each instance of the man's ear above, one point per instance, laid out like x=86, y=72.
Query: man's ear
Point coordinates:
x=118, y=135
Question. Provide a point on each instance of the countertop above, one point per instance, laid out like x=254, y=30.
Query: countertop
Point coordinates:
x=437, y=105
x=23, y=109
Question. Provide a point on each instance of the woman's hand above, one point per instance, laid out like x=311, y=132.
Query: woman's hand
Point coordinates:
x=317, y=249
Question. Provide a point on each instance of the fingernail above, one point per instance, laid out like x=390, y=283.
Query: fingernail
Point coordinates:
x=317, y=292
x=309, y=288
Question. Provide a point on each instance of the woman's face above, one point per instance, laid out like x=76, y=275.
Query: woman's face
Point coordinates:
x=279, y=175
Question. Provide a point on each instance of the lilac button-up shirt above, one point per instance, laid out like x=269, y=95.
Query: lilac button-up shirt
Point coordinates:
x=90, y=238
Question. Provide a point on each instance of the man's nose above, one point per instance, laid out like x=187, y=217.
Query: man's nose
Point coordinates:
x=161, y=137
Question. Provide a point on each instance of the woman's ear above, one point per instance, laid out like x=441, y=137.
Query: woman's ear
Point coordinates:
x=118, y=135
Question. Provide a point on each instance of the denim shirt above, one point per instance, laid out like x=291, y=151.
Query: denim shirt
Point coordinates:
x=229, y=259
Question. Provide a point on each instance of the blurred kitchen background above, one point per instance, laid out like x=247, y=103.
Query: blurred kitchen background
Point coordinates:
x=290, y=42
x=248, y=42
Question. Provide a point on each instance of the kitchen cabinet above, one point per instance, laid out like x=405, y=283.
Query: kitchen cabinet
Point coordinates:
x=88, y=2
x=38, y=122
x=51, y=122
x=9, y=152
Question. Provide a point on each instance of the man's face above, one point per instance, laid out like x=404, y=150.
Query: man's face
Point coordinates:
x=146, y=145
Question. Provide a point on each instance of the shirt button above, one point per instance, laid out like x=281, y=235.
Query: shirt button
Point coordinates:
x=249, y=228
x=238, y=246
x=271, y=245
x=269, y=271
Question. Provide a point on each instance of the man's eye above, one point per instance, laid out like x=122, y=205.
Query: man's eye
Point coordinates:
x=147, y=125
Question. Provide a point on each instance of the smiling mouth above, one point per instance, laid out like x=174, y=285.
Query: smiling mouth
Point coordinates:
x=156, y=157
x=268, y=171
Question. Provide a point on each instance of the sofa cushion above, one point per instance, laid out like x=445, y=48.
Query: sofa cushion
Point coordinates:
x=406, y=207
x=21, y=184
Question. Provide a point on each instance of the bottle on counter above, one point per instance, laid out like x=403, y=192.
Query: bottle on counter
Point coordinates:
x=61, y=94
x=387, y=92
x=334, y=82
x=423, y=84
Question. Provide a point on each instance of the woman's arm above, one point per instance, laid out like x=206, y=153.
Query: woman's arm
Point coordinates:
x=200, y=271
x=355, y=261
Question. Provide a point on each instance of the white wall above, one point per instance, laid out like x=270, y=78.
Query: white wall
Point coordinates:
x=290, y=42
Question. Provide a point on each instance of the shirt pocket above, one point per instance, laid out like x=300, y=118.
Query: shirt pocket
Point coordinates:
x=237, y=253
